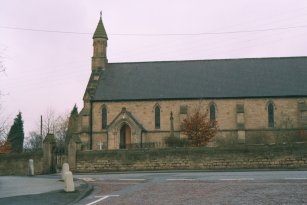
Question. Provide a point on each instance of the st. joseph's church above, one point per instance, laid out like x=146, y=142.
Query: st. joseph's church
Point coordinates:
x=129, y=104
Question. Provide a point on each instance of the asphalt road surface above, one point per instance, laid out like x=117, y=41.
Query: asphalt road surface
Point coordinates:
x=256, y=187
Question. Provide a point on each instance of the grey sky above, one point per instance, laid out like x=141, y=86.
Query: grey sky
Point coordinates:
x=51, y=69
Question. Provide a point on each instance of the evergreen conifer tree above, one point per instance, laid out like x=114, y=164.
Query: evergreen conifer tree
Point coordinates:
x=16, y=134
x=72, y=124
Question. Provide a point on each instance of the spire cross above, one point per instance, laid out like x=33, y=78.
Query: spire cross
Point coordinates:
x=100, y=14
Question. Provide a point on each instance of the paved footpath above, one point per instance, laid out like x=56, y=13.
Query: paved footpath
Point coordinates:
x=42, y=189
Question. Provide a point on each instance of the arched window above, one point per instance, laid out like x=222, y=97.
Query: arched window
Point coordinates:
x=271, y=115
x=95, y=48
x=157, y=117
x=104, y=117
x=212, y=112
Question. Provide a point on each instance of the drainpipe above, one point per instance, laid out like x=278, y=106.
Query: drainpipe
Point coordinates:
x=142, y=139
x=107, y=139
x=91, y=124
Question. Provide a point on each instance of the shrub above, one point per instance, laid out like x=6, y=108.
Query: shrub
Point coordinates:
x=228, y=141
x=173, y=141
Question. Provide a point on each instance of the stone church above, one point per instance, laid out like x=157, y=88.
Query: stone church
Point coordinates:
x=129, y=104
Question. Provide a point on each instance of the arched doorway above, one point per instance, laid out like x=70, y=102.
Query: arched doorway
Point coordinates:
x=125, y=136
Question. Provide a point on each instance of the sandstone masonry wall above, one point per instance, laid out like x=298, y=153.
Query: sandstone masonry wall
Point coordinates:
x=17, y=164
x=253, y=117
x=255, y=112
x=255, y=157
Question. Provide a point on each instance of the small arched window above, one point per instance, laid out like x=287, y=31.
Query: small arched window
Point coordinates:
x=270, y=115
x=104, y=116
x=157, y=117
x=212, y=112
x=95, y=48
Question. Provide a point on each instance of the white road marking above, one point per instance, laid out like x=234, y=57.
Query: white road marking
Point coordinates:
x=180, y=179
x=295, y=178
x=237, y=179
x=102, y=198
x=132, y=179
x=119, y=183
x=88, y=179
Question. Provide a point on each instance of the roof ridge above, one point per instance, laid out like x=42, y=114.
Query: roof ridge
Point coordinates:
x=202, y=60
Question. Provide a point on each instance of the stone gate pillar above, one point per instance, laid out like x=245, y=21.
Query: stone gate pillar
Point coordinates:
x=73, y=146
x=49, y=144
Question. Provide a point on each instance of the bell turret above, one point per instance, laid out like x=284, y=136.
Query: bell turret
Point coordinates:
x=100, y=39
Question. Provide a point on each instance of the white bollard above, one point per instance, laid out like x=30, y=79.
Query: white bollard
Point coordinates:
x=69, y=182
x=31, y=167
x=65, y=168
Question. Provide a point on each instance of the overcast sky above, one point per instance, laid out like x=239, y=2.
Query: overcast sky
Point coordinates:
x=51, y=69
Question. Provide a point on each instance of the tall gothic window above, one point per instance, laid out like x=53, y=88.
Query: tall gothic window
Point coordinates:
x=157, y=117
x=271, y=115
x=104, y=117
x=212, y=112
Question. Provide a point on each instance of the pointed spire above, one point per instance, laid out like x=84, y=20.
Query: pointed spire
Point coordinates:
x=100, y=31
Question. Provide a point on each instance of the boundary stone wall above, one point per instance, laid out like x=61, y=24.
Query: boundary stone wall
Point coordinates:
x=239, y=157
x=17, y=164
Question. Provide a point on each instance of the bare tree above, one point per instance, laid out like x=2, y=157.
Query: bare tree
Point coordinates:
x=49, y=121
x=3, y=119
x=33, y=142
x=53, y=123
x=2, y=67
x=3, y=125
x=4, y=145
x=61, y=127
x=4, y=128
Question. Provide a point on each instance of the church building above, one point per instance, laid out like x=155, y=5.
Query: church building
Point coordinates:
x=129, y=104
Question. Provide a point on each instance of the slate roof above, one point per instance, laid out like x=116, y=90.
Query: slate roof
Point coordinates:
x=201, y=79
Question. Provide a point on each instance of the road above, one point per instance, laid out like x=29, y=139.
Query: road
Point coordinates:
x=255, y=187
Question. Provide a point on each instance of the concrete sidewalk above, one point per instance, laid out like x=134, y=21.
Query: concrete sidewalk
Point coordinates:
x=42, y=189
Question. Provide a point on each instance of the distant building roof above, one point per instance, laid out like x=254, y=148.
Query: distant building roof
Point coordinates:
x=201, y=79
